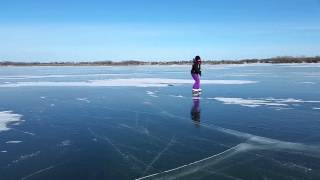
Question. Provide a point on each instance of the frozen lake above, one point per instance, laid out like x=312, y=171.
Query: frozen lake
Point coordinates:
x=140, y=122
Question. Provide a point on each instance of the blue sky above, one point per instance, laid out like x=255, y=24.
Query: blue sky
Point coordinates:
x=75, y=30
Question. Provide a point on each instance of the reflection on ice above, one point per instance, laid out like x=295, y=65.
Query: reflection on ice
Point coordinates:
x=195, y=111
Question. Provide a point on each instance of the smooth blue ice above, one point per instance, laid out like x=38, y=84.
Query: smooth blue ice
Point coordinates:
x=257, y=121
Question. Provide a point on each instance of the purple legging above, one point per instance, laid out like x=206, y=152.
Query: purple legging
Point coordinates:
x=196, y=78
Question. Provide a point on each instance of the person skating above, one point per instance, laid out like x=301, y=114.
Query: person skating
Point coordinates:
x=196, y=73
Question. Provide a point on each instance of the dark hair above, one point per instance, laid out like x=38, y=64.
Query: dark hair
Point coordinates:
x=196, y=59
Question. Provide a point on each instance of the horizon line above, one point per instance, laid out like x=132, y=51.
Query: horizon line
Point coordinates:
x=150, y=61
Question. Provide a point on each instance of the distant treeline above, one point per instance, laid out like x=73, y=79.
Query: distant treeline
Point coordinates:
x=285, y=59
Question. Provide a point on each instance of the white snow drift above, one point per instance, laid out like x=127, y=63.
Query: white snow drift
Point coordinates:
x=136, y=82
x=56, y=76
x=8, y=117
x=250, y=102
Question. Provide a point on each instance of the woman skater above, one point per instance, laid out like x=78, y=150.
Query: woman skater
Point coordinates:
x=196, y=73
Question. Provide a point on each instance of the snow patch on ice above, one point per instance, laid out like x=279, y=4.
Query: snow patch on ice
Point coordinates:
x=307, y=82
x=292, y=100
x=152, y=94
x=250, y=102
x=281, y=108
x=8, y=117
x=64, y=143
x=29, y=133
x=13, y=142
x=177, y=96
x=57, y=76
x=135, y=82
x=83, y=99
x=4, y=151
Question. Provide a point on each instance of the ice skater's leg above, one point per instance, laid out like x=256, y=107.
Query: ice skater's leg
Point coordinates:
x=194, y=76
x=197, y=83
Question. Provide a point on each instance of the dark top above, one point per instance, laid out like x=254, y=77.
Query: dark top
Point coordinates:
x=196, y=68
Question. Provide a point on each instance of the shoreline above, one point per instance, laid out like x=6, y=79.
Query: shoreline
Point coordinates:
x=109, y=63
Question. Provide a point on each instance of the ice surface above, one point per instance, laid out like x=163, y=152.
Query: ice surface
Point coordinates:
x=160, y=133
x=252, y=142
